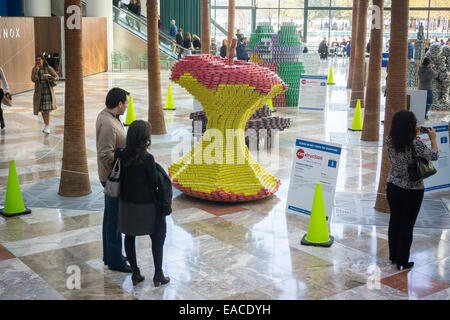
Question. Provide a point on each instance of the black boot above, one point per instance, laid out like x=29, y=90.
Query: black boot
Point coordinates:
x=137, y=277
x=160, y=279
x=407, y=265
x=2, y=123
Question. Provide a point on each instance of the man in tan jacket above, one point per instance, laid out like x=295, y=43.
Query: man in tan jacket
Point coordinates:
x=110, y=135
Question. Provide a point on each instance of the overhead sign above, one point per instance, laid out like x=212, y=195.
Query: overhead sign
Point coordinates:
x=314, y=161
x=313, y=92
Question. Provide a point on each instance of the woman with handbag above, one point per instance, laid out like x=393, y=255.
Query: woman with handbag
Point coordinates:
x=404, y=189
x=44, y=101
x=4, y=92
x=139, y=211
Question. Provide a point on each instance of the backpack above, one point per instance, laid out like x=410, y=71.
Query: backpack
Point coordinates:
x=164, y=193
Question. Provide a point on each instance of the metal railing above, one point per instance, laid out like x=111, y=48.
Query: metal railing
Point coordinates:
x=137, y=25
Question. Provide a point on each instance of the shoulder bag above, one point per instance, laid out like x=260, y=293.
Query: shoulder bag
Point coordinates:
x=112, y=187
x=7, y=99
x=419, y=168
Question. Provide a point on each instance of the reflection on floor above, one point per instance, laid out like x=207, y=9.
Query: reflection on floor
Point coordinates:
x=248, y=250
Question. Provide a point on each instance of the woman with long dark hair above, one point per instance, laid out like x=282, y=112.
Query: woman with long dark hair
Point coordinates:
x=138, y=208
x=44, y=100
x=405, y=196
x=187, y=42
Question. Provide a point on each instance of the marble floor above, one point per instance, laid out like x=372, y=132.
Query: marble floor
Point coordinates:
x=248, y=250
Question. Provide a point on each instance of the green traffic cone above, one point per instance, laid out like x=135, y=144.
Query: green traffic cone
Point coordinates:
x=14, y=203
x=318, y=230
x=330, y=76
x=169, y=100
x=357, y=118
x=131, y=117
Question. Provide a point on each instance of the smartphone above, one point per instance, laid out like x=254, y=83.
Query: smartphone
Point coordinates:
x=424, y=129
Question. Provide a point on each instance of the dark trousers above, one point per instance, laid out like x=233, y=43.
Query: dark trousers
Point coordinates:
x=112, y=238
x=2, y=93
x=429, y=102
x=405, y=206
x=158, y=238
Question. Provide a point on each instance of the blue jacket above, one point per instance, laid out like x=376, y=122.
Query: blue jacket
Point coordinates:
x=241, y=53
x=173, y=30
x=348, y=49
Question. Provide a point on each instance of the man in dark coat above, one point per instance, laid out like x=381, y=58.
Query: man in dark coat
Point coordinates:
x=323, y=49
x=241, y=52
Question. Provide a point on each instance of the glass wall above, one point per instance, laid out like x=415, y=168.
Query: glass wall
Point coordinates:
x=318, y=19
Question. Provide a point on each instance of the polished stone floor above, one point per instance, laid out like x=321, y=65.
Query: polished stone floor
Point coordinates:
x=247, y=250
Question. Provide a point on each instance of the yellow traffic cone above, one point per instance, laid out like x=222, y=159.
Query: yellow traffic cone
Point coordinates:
x=130, y=112
x=357, y=118
x=330, y=76
x=318, y=230
x=14, y=202
x=169, y=100
x=270, y=104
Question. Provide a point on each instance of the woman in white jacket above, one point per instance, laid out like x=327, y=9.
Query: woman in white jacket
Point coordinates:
x=4, y=89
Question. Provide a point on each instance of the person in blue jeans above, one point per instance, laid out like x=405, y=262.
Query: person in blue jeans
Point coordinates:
x=426, y=76
x=110, y=135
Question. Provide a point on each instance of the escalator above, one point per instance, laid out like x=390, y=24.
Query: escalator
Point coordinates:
x=137, y=25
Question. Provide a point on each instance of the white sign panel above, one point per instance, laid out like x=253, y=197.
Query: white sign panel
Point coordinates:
x=197, y=106
x=417, y=103
x=314, y=161
x=441, y=180
x=313, y=92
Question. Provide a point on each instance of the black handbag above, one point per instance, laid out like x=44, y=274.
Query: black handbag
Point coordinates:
x=419, y=168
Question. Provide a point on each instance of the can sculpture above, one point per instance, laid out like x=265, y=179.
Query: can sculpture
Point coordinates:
x=219, y=167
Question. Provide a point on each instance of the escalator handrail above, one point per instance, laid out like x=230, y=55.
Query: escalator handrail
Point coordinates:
x=143, y=20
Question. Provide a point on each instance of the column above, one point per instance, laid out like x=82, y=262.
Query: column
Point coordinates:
x=37, y=8
x=103, y=8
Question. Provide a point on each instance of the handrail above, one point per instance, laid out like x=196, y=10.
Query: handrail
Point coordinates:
x=166, y=48
x=218, y=26
x=143, y=22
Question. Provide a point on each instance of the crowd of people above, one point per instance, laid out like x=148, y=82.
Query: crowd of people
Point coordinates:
x=337, y=48
x=192, y=44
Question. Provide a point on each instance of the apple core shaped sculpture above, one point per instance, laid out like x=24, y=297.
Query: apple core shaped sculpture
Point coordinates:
x=220, y=167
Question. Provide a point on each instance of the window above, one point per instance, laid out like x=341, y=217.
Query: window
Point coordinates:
x=292, y=4
x=267, y=15
x=318, y=25
x=440, y=3
x=225, y=3
x=267, y=4
x=292, y=15
x=319, y=3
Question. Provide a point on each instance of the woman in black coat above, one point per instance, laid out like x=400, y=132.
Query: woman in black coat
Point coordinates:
x=223, y=49
x=187, y=42
x=138, y=208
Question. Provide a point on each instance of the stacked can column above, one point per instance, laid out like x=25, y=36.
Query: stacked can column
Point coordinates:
x=281, y=53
